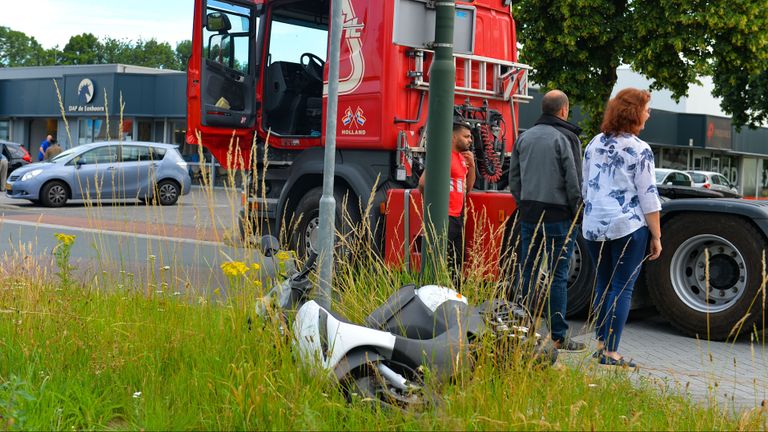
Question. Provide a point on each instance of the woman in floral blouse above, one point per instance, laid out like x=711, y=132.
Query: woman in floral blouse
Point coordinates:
x=621, y=213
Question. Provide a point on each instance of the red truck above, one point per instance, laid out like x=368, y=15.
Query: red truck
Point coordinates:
x=257, y=101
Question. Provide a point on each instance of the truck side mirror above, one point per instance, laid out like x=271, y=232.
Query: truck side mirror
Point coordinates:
x=217, y=22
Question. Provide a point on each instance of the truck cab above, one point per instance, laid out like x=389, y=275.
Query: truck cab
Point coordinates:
x=257, y=99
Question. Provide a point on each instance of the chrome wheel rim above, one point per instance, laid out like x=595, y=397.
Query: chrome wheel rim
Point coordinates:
x=167, y=192
x=575, y=265
x=727, y=279
x=57, y=195
x=311, y=233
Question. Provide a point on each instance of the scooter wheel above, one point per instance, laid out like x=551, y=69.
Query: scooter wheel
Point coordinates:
x=366, y=385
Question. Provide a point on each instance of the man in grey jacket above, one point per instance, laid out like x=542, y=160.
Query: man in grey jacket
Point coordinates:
x=545, y=173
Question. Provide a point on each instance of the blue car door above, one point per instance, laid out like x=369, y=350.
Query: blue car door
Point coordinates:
x=97, y=173
x=138, y=168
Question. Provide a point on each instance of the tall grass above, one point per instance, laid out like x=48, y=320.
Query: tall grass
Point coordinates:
x=90, y=358
x=150, y=348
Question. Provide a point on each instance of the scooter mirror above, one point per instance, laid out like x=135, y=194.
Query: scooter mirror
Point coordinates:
x=269, y=245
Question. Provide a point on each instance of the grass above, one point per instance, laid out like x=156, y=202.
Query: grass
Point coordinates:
x=85, y=357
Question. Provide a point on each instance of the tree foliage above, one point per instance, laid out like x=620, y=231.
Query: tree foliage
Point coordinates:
x=18, y=49
x=576, y=45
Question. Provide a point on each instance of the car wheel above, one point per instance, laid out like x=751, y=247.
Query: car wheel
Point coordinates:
x=707, y=280
x=54, y=194
x=167, y=192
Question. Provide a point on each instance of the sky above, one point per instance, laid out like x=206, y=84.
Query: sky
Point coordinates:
x=53, y=22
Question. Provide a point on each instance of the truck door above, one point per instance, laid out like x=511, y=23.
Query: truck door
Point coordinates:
x=223, y=71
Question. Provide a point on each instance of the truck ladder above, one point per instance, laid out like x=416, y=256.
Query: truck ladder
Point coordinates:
x=482, y=76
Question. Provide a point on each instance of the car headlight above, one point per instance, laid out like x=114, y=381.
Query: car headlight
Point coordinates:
x=32, y=174
x=182, y=164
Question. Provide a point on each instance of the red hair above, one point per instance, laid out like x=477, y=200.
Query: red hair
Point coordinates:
x=624, y=112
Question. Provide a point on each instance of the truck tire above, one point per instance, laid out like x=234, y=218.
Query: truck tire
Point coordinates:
x=581, y=278
x=581, y=275
x=305, y=233
x=724, y=305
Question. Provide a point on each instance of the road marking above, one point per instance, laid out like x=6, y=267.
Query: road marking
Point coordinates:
x=5, y=220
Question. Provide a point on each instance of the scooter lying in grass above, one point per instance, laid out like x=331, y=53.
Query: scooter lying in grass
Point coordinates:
x=417, y=329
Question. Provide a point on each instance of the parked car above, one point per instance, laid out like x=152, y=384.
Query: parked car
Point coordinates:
x=17, y=155
x=104, y=170
x=673, y=177
x=714, y=181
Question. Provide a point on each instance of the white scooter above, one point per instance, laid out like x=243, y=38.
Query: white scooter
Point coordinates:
x=429, y=327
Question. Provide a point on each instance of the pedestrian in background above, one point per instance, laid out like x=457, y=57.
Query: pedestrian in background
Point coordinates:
x=43, y=147
x=544, y=178
x=462, y=181
x=3, y=171
x=53, y=150
x=621, y=211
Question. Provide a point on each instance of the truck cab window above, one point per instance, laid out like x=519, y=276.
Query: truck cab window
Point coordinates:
x=226, y=36
x=293, y=87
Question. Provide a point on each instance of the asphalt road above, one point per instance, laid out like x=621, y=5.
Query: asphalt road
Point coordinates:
x=179, y=248
x=182, y=247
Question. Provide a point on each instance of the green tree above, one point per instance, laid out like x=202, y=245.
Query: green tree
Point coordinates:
x=18, y=49
x=576, y=45
x=155, y=54
x=83, y=49
x=116, y=51
x=183, y=51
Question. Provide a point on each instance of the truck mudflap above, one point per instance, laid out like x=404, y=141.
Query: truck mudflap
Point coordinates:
x=486, y=217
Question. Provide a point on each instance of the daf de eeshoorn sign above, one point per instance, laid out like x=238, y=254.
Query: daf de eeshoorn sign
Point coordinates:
x=86, y=94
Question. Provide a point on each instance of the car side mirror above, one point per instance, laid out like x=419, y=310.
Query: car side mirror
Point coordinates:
x=80, y=162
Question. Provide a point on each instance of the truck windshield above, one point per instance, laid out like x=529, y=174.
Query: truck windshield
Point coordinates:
x=291, y=40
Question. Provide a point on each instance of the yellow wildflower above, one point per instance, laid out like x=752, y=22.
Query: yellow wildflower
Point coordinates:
x=234, y=268
x=255, y=267
x=65, y=239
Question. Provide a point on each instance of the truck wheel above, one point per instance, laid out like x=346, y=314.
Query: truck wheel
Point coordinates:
x=581, y=277
x=678, y=284
x=305, y=234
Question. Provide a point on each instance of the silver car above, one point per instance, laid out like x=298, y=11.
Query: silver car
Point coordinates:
x=714, y=181
x=104, y=170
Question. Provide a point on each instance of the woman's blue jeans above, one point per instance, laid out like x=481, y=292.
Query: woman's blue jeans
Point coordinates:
x=617, y=265
x=551, y=238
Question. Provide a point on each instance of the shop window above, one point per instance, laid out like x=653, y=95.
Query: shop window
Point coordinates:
x=5, y=130
x=159, y=132
x=675, y=158
x=144, y=130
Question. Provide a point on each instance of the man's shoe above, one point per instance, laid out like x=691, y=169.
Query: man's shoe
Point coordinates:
x=570, y=345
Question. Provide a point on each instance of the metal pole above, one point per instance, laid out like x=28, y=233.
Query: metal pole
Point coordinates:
x=439, y=126
x=327, y=201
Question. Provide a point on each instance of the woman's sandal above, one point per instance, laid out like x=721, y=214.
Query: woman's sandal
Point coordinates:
x=610, y=361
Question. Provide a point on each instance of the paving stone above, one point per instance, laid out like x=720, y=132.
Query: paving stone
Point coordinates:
x=734, y=375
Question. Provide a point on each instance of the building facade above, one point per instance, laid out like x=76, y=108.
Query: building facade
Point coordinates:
x=83, y=104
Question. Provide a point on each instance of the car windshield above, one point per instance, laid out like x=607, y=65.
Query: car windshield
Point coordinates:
x=660, y=176
x=65, y=154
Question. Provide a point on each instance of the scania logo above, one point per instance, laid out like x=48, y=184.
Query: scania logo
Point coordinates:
x=85, y=91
